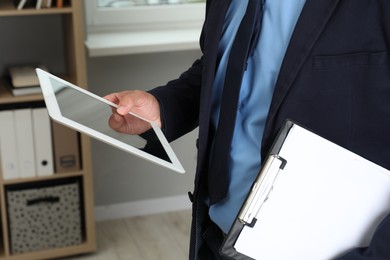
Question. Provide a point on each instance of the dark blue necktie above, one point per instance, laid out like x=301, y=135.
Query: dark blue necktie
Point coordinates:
x=242, y=48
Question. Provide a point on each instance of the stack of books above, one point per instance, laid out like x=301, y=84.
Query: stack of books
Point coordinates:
x=24, y=80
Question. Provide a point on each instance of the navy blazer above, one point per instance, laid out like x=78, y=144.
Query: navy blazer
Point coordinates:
x=334, y=80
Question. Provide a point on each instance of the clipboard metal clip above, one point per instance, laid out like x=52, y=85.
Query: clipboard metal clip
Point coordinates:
x=261, y=189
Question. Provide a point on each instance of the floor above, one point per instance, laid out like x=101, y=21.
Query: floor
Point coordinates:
x=159, y=237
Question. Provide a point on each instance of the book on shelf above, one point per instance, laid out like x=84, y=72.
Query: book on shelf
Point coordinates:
x=46, y=3
x=43, y=4
x=23, y=76
x=38, y=4
x=23, y=91
x=60, y=3
x=23, y=80
x=21, y=4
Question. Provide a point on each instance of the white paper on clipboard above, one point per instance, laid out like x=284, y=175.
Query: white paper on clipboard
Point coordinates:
x=325, y=201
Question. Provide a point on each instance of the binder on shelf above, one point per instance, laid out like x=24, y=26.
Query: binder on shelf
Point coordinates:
x=8, y=152
x=24, y=142
x=66, y=149
x=312, y=200
x=43, y=142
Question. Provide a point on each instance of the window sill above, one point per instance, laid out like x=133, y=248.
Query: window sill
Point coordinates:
x=100, y=44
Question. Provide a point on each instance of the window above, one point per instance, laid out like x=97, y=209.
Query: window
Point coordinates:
x=117, y=27
x=127, y=3
x=143, y=14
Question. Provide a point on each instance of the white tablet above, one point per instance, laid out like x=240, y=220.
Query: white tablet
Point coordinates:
x=88, y=113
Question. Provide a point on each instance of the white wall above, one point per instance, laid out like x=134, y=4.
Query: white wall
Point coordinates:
x=22, y=34
x=120, y=178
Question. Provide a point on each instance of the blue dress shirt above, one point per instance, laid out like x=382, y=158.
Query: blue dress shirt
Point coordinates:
x=279, y=19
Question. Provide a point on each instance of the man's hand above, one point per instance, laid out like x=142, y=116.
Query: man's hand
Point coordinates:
x=138, y=102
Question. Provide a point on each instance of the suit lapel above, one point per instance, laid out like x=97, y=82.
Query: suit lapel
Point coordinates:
x=314, y=16
x=211, y=34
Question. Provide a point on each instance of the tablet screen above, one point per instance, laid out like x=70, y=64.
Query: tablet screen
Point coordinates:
x=88, y=113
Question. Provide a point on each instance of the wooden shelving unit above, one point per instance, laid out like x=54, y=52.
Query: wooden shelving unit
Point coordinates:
x=73, y=34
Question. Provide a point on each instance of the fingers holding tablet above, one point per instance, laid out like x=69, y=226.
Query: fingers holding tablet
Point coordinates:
x=138, y=102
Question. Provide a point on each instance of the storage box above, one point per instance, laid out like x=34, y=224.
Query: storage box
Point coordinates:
x=44, y=218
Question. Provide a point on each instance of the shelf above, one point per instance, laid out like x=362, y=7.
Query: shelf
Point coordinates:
x=71, y=30
x=6, y=96
x=121, y=43
x=55, y=176
x=8, y=9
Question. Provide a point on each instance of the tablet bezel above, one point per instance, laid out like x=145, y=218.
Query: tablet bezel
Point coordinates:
x=55, y=113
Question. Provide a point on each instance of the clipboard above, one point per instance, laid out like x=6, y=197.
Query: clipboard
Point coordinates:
x=311, y=200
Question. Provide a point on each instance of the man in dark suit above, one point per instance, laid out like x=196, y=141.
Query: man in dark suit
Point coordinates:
x=322, y=63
